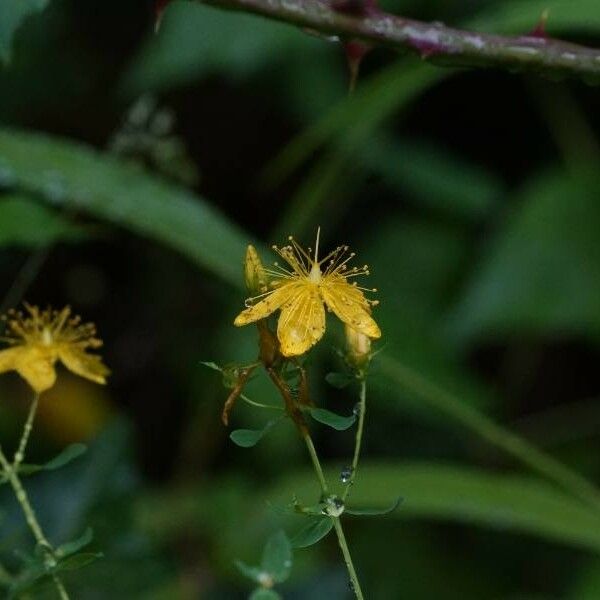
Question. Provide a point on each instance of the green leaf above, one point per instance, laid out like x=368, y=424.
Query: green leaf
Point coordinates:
x=69, y=454
x=338, y=422
x=277, y=557
x=69, y=548
x=339, y=380
x=373, y=512
x=315, y=531
x=264, y=594
x=433, y=177
x=76, y=176
x=349, y=124
x=78, y=561
x=406, y=379
x=24, y=222
x=12, y=14
x=542, y=273
x=510, y=503
x=517, y=17
x=195, y=41
x=246, y=438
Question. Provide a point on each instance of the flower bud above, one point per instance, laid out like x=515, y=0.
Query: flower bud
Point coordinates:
x=358, y=346
x=254, y=272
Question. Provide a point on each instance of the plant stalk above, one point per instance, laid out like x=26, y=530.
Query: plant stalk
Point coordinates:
x=436, y=42
x=20, y=453
x=359, y=434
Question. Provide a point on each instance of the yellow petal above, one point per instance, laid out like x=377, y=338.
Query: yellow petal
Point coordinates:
x=36, y=366
x=9, y=358
x=85, y=365
x=269, y=305
x=349, y=305
x=302, y=321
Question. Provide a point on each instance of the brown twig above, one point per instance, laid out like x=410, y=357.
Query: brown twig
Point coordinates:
x=432, y=41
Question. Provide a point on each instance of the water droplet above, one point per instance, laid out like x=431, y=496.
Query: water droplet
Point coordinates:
x=351, y=585
x=346, y=474
x=356, y=410
x=334, y=506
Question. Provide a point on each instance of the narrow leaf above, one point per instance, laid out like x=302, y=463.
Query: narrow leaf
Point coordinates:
x=211, y=365
x=253, y=573
x=12, y=14
x=69, y=548
x=24, y=222
x=373, y=512
x=77, y=561
x=315, y=531
x=338, y=422
x=70, y=453
x=76, y=176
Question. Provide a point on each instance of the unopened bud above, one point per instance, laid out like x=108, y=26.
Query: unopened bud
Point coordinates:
x=358, y=347
x=254, y=272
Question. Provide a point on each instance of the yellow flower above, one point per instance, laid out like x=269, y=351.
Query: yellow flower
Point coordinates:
x=301, y=293
x=40, y=338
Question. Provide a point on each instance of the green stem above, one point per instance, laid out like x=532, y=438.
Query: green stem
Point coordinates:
x=359, y=434
x=298, y=419
x=336, y=521
x=31, y=519
x=316, y=464
x=20, y=453
x=347, y=558
x=486, y=428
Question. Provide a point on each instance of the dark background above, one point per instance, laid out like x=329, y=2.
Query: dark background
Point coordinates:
x=476, y=203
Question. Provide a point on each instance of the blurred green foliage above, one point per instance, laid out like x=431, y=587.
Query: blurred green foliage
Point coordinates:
x=473, y=197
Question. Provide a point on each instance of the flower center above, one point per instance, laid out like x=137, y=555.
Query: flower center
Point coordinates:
x=315, y=273
x=47, y=337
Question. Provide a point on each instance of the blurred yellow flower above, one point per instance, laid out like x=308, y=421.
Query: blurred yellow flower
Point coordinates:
x=39, y=338
x=302, y=292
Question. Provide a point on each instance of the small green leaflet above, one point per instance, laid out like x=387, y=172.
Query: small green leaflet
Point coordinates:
x=315, y=531
x=246, y=438
x=338, y=422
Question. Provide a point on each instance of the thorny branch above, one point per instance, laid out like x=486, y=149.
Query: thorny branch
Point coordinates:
x=362, y=20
